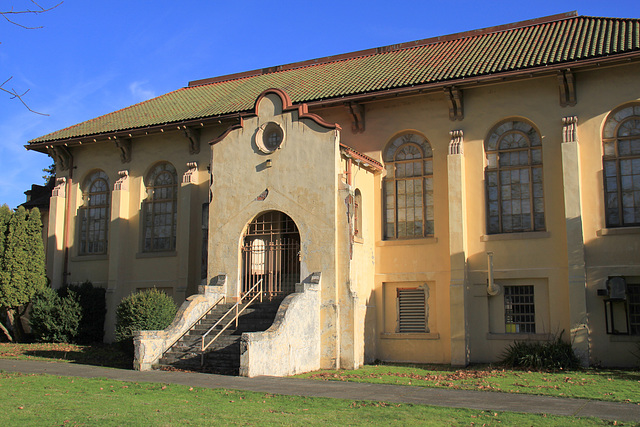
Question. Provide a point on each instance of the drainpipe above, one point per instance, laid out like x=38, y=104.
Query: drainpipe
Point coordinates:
x=492, y=288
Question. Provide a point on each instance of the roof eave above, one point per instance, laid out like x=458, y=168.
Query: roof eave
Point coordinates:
x=583, y=64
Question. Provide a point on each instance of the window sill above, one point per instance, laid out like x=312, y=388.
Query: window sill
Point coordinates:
x=410, y=336
x=519, y=337
x=156, y=254
x=515, y=236
x=618, y=231
x=81, y=258
x=624, y=338
x=408, y=242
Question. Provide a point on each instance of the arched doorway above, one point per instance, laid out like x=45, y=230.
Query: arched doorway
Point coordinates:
x=271, y=252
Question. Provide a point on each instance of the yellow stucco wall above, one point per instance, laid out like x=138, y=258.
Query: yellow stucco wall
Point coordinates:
x=306, y=181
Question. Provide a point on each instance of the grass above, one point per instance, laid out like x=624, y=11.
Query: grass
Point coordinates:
x=600, y=384
x=44, y=399
x=109, y=355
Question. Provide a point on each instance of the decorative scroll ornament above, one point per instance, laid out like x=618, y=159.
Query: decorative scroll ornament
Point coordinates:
x=61, y=156
x=123, y=182
x=357, y=116
x=567, y=88
x=60, y=189
x=193, y=135
x=456, y=107
x=189, y=175
x=124, y=144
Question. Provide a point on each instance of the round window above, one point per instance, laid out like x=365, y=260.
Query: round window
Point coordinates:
x=269, y=137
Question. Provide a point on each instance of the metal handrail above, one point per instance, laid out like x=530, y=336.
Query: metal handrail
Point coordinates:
x=193, y=324
x=235, y=307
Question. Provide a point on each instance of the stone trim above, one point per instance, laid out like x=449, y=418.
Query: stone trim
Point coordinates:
x=455, y=145
x=570, y=129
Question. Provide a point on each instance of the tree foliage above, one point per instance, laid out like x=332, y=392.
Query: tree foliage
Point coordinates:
x=22, y=262
x=55, y=318
x=93, y=303
x=148, y=310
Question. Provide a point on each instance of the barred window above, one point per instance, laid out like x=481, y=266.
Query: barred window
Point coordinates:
x=621, y=164
x=408, y=188
x=633, y=301
x=513, y=177
x=94, y=215
x=160, y=209
x=412, y=310
x=519, y=310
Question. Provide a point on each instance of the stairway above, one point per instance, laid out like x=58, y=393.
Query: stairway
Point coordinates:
x=223, y=356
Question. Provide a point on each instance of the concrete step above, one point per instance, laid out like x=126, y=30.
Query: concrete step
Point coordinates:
x=223, y=355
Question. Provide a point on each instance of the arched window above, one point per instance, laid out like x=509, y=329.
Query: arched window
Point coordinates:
x=94, y=214
x=513, y=177
x=621, y=164
x=408, y=188
x=160, y=209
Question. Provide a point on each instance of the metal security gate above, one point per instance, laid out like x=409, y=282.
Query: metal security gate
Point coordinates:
x=271, y=253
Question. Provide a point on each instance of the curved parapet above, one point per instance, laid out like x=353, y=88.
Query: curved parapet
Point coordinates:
x=292, y=344
x=151, y=345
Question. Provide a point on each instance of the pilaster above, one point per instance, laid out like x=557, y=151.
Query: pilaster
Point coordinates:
x=575, y=239
x=457, y=250
x=188, y=226
x=56, y=230
x=118, y=238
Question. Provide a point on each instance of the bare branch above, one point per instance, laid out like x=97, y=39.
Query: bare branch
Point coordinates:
x=10, y=13
x=16, y=95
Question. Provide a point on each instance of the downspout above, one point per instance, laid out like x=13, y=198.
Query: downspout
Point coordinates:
x=492, y=288
x=65, y=272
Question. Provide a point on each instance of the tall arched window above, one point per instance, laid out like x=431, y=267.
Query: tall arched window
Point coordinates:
x=513, y=177
x=160, y=209
x=94, y=214
x=621, y=163
x=408, y=188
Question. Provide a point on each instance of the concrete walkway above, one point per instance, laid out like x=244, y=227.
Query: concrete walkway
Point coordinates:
x=346, y=390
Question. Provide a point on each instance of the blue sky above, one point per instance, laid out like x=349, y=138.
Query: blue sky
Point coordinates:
x=94, y=57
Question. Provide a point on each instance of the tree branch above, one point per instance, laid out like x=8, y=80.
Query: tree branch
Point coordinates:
x=16, y=95
x=10, y=13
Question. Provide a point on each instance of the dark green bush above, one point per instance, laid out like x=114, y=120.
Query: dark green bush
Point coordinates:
x=148, y=310
x=553, y=355
x=54, y=318
x=94, y=308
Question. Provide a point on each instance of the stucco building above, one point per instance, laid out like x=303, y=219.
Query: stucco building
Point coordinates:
x=439, y=198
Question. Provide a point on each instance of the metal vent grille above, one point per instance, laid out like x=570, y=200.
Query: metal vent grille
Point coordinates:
x=411, y=310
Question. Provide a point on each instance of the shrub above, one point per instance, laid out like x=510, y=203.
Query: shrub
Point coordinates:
x=554, y=354
x=148, y=310
x=94, y=308
x=54, y=318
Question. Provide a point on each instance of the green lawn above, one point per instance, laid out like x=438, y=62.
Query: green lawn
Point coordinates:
x=110, y=355
x=50, y=400
x=608, y=385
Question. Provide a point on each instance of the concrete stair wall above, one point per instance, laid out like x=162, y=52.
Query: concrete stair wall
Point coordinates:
x=223, y=356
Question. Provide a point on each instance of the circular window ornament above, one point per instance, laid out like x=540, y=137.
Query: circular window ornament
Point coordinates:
x=269, y=137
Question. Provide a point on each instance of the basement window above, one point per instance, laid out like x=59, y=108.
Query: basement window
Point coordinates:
x=519, y=310
x=412, y=311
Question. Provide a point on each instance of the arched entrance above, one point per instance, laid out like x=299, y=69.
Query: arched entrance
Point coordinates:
x=271, y=252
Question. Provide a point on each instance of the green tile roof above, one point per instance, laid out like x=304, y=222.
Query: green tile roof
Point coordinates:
x=564, y=39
